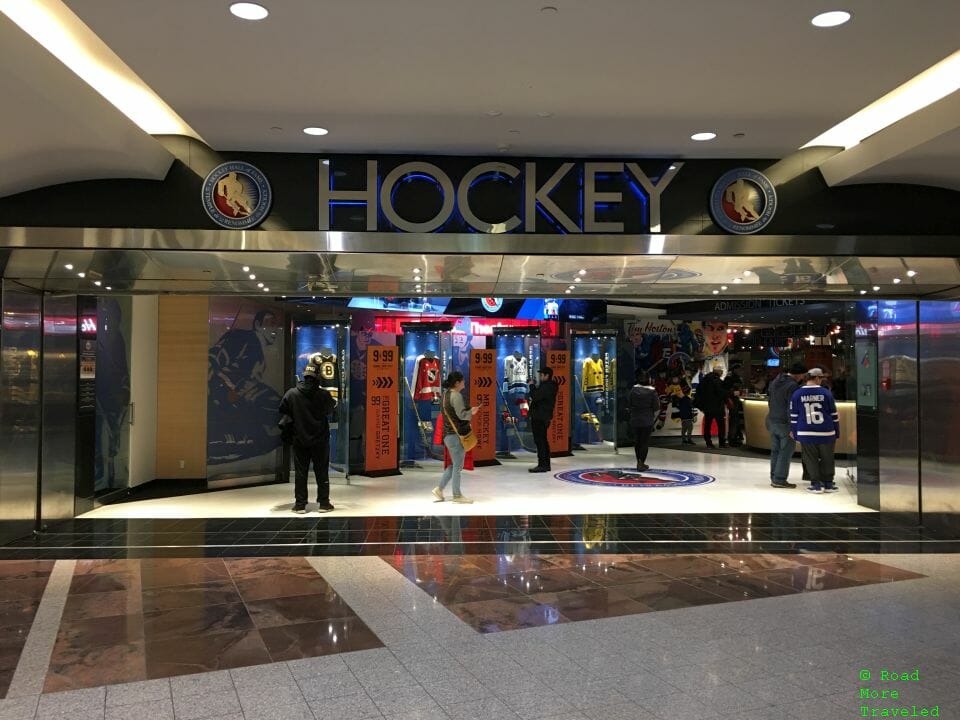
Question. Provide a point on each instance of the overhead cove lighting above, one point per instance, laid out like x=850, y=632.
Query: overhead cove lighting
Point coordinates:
x=933, y=84
x=52, y=24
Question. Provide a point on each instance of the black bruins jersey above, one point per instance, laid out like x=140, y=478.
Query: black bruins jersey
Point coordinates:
x=328, y=373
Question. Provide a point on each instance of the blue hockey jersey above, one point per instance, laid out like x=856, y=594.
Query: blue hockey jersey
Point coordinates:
x=813, y=415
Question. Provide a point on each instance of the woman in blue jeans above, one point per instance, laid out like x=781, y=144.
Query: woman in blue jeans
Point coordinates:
x=454, y=410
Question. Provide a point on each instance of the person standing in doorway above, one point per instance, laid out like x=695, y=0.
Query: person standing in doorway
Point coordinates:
x=712, y=399
x=543, y=398
x=644, y=404
x=456, y=424
x=779, y=396
x=685, y=413
x=306, y=408
x=815, y=424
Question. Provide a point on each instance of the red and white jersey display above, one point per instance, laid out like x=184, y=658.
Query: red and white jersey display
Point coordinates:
x=426, y=378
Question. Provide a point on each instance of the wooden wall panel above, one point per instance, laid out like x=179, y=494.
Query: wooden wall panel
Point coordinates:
x=182, y=387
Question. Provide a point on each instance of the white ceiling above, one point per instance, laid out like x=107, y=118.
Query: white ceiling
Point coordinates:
x=55, y=129
x=619, y=77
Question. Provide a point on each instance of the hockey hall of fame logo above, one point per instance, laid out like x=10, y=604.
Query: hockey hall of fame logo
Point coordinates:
x=236, y=195
x=492, y=305
x=628, y=477
x=743, y=201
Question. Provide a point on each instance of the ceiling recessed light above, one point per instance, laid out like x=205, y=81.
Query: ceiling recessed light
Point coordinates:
x=277, y=128
x=716, y=292
x=672, y=167
x=97, y=283
x=577, y=279
x=740, y=135
x=863, y=292
x=876, y=287
x=109, y=288
x=68, y=266
x=566, y=292
x=266, y=289
x=911, y=273
x=582, y=271
x=747, y=273
x=315, y=131
x=737, y=280
x=416, y=271
x=723, y=287
x=260, y=284
x=249, y=11
x=833, y=18
x=703, y=136
x=252, y=276
x=493, y=113
x=246, y=268
x=549, y=9
x=325, y=162
x=896, y=281
x=81, y=274
x=572, y=287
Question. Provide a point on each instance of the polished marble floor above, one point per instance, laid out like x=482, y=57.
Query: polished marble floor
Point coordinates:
x=476, y=535
x=531, y=637
x=742, y=485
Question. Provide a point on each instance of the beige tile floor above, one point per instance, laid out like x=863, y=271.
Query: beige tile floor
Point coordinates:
x=793, y=656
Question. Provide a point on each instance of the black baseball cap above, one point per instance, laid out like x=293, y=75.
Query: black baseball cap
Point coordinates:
x=798, y=369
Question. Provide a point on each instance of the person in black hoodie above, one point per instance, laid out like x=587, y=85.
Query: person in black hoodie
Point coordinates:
x=712, y=399
x=304, y=410
x=543, y=398
x=644, y=404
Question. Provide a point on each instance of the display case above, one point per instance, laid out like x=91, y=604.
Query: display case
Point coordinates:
x=595, y=387
x=425, y=349
x=518, y=359
x=326, y=345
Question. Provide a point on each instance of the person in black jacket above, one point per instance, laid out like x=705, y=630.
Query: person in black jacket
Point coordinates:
x=712, y=399
x=644, y=404
x=543, y=398
x=304, y=410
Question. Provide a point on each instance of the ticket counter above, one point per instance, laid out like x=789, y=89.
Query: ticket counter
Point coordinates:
x=757, y=437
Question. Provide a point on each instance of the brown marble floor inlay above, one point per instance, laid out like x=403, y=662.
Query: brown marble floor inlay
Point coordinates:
x=494, y=593
x=129, y=620
x=21, y=587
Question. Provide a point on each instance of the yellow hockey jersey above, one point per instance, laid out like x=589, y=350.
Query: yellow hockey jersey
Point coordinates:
x=592, y=380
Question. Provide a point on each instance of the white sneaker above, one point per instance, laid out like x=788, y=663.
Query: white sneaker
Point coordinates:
x=462, y=499
x=438, y=494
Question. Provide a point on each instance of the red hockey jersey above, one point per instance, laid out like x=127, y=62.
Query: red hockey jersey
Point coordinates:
x=426, y=378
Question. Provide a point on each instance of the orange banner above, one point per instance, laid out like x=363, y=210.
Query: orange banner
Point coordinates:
x=483, y=392
x=383, y=397
x=559, y=431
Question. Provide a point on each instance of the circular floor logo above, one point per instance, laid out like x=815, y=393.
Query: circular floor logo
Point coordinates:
x=236, y=195
x=628, y=477
x=743, y=201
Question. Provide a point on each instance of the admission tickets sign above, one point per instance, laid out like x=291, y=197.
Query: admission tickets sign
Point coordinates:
x=382, y=410
x=559, y=431
x=483, y=388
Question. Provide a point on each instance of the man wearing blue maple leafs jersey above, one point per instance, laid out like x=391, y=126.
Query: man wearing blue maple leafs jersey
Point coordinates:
x=815, y=424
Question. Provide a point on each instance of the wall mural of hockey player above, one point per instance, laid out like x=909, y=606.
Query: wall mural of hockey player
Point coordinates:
x=111, y=451
x=668, y=352
x=245, y=374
